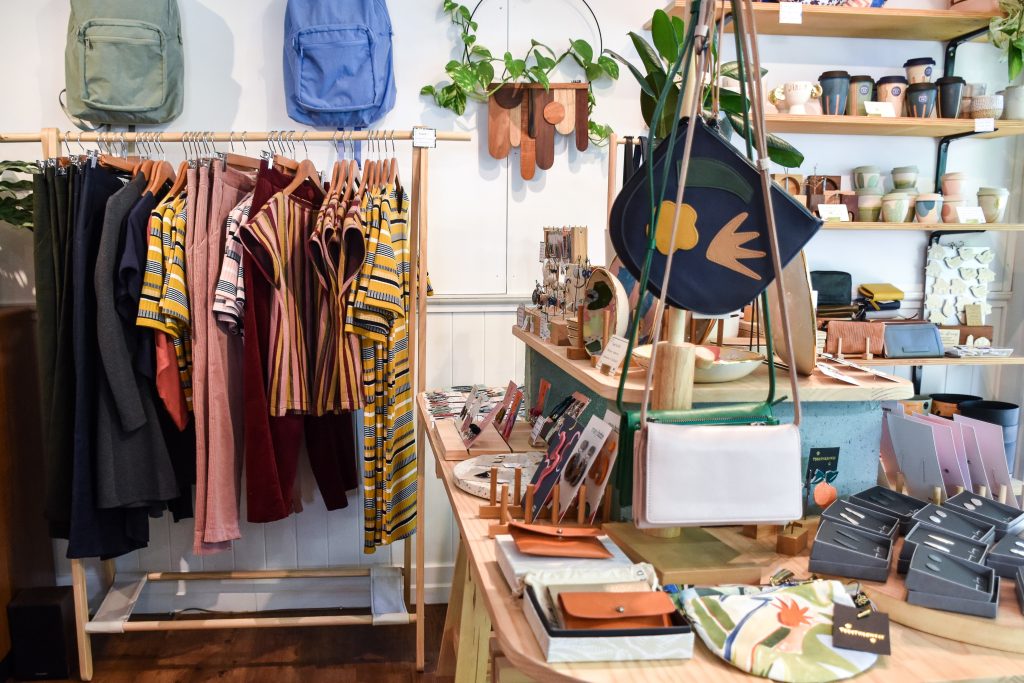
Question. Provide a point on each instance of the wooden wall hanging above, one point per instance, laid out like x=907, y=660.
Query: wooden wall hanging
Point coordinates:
x=527, y=116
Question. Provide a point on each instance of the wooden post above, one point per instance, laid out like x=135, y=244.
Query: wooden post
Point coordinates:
x=1004, y=493
x=80, y=592
x=613, y=159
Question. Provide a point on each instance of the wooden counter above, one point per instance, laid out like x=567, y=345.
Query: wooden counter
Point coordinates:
x=481, y=600
x=753, y=387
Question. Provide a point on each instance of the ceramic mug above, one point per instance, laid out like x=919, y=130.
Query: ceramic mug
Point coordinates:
x=892, y=89
x=1013, y=102
x=868, y=207
x=835, y=89
x=919, y=70
x=796, y=94
x=993, y=201
x=951, y=90
x=868, y=178
x=894, y=207
x=862, y=89
x=904, y=177
x=949, y=204
x=921, y=99
x=952, y=183
x=928, y=208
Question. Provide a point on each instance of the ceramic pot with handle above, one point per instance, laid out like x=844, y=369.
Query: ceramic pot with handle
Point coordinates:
x=796, y=94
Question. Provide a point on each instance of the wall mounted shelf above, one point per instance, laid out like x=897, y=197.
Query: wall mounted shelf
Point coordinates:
x=982, y=360
x=858, y=22
x=897, y=126
x=924, y=227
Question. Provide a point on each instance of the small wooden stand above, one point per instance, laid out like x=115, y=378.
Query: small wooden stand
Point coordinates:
x=792, y=539
x=492, y=509
x=579, y=351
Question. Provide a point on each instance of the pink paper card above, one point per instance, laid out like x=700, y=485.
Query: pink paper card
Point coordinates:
x=916, y=452
x=974, y=462
x=993, y=456
x=958, y=444
x=946, y=450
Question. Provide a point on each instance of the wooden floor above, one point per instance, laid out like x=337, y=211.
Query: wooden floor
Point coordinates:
x=383, y=654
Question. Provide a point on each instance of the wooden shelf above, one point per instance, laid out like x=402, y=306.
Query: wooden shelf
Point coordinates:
x=990, y=360
x=923, y=227
x=754, y=387
x=900, y=126
x=857, y=22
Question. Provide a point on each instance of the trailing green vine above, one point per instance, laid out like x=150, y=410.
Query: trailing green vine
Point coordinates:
x=476, y=77
x=16, y=193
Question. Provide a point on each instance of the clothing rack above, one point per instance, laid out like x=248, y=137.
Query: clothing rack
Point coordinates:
x=113, y=615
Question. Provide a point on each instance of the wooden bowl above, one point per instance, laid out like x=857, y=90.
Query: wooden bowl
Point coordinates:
x=732, y=363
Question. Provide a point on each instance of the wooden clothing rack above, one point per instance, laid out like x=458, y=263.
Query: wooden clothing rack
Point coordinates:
x=113, y=615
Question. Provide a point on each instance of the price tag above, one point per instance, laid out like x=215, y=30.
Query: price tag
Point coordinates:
x=867, y=633
x=791, y=13
x=975, y=314
x=970, y=214
x=545, y=329
x=614, y=353
x=521, y=317
x=984, y=125
x=883, y=109
x=538, y=427
x=424, y=137
x=543, y=253
x=949, y=337
x=834, y=213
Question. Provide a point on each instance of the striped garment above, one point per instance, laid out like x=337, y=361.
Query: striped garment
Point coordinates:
x=276, y=238
x=229, y=296
x=163, y=305
x=377, y=314
x=337, y=241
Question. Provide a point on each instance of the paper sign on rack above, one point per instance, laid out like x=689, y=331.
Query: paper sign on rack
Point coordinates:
x=883, y=109
x=614, y=353
x=791, y=13
x=581, y=459
x=424, y=137
x=834, y=213
x=993, y=456
x=985, y=125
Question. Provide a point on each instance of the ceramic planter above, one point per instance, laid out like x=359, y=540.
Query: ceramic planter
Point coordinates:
x=862, y=89
x=921, y=99
x=894, y=207
x=795, y=94
x=835, y=88
x=1013, y=102
x=952, y=184
x=868, y=178
x=951, y=90
x=868, y=207
x=892, y=89
x=949, y=204
x=993, y=201
x=928, y=208
x=919, y=70
x=904, y=177
x=987, y=107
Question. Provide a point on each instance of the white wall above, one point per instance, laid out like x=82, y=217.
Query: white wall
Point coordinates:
x=485, y=221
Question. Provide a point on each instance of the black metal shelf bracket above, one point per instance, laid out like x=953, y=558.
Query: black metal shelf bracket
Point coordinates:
x=943, y=153
x=954, y=44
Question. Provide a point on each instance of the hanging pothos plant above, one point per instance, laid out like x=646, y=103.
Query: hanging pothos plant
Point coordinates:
x=16, y=193
x=476, y=75
x=668, y=35
x=1007, y=33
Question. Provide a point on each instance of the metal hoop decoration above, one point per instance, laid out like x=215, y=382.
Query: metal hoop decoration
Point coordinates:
x=597, y=25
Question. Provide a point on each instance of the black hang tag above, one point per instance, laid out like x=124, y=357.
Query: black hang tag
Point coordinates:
x=866, y=634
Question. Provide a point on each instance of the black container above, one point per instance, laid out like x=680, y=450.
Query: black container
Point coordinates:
x=921, y=100
x=835, y=89
x=1006, y=415
x=951, y=89
x=946, y=405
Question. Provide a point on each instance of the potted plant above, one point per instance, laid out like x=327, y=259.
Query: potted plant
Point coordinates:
x=667, y=34
x=1007, y=33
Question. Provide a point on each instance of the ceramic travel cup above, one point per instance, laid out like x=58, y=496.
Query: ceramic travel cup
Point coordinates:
x=796, y=94
x=928, y=208
x=904, y=177
x=862, y=89
x=921, y=99
x=919, y=70
x=868, y=178
x=951, y=90
x=868, y=206
x=1013, y=102
x=952, y=183
x=892, y=89
x=894, y=207
x=993, y=201
x=949, y=204
x=987, y=107
x=835, y=88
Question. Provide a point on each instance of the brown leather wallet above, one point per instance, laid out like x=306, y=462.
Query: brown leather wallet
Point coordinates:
x=647, y=609
x=556, y=541
x=854, y=335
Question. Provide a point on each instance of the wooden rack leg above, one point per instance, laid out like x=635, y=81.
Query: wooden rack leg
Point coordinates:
x=528, y=505
x=80, y=592
x=453, y=616
x=421, y=160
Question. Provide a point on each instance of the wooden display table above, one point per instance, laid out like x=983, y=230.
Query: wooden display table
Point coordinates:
x=481, y=601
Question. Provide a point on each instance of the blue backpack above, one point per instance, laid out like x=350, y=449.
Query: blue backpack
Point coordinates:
x=337, y=62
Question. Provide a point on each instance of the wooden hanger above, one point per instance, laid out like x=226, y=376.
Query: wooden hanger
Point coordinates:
x=162, y=173
x=306, y=171
x=283, y=163
x=240, y=161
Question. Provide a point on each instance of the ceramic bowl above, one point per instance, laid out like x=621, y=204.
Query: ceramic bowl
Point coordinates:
x=867, y=178
x=987, y=107
x=928, y=208
x=951, y=184
x=732, y=363
x=949, y=204
x=895, y=207
x=904, y=177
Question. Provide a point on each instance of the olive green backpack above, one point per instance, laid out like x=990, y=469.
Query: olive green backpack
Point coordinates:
x=123, y=63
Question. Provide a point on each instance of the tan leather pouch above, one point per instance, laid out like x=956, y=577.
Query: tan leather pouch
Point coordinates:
x=647, y=609
x=855, y=336
x=556, y=541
